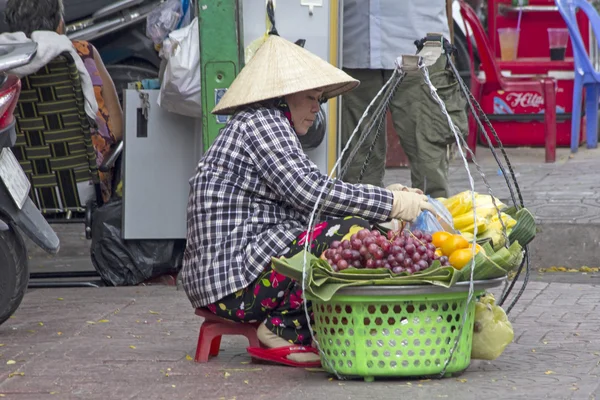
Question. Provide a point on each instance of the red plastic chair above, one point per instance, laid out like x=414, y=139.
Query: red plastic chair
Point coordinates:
x=211, y=330
x=495, y=81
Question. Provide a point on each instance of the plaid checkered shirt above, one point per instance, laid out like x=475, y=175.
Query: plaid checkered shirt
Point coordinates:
x=251, y=196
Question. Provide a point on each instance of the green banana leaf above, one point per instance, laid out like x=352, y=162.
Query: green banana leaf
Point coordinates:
x=525, y=230
x=322, y=282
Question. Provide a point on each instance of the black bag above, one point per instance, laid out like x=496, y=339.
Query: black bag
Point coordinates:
x=129, y=262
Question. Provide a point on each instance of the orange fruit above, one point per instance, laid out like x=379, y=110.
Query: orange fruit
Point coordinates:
x=462, y=257
x=438, y=238
x=454, y=243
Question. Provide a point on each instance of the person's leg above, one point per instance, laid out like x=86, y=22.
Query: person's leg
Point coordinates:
x=423, y=128
x=277, y=300
x=354, y=104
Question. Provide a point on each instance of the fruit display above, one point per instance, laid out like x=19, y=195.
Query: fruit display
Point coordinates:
x=488, y=219
x=398, y=251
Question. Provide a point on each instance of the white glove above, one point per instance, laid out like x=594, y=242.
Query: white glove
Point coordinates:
x=408, y=205
x=396, y=187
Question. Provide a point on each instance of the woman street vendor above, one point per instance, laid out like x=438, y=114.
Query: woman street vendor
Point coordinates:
x=253, y=193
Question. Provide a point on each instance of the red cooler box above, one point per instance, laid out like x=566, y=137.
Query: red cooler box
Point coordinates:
x=526, y=128
x=518, y=117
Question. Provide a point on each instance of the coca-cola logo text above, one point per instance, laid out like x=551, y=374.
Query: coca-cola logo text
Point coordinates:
x=525, y=100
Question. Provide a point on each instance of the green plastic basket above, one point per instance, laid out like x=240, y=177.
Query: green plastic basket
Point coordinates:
x=395, y=331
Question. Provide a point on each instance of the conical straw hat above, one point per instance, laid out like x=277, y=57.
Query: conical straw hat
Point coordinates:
x=279, y=68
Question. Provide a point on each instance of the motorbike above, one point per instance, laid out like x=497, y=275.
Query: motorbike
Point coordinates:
x=18, y=213
x=118, y=31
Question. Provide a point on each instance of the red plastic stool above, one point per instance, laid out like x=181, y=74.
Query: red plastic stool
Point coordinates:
x=213, y=327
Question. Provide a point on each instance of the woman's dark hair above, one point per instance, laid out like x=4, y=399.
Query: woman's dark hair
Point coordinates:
x=33, y=15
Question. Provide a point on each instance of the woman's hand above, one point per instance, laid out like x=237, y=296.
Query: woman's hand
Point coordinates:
x=408, y=205
x=396, y=187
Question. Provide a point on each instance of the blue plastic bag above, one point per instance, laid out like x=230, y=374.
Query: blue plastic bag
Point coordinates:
x=429, y=223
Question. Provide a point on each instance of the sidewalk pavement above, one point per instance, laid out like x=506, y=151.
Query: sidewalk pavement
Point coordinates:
x=136, y=343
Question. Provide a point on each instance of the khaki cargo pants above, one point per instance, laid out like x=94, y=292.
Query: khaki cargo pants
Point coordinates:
x=418, y=120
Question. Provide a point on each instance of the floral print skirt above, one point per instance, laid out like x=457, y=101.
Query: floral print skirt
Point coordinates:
x=277, y=300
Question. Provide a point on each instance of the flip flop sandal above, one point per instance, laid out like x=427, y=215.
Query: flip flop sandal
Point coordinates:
x=279, y=355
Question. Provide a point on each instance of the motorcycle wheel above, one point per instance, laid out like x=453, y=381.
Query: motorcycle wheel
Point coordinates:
x=123, y=74
x=13, y=270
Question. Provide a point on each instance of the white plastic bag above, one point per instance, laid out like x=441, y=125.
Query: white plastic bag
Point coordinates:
x=180, y=87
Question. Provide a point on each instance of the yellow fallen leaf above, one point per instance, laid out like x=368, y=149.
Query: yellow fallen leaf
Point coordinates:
x=419, y=385
x=103, y=321
x=40, y=323
x=1, y=344
x=168, y=369
x=11, y=362
x=132, y=347
x=60, y=299
x=90, y=322
x=16, y=374
x=59, y=333
x=53, y=392
x=533, y=350
x=137, y=321
x=330, y=379
x=572, y=270
x=242, y=369
x=2, y=395
x=314, y=369
x=172, y=385
x=109, y=337
x=188, y=357
x=576, y=334
x=549, y=372
x=153, y=312
x=463, y=380
x=408, y=384
x=227, y=375
x=246, y=382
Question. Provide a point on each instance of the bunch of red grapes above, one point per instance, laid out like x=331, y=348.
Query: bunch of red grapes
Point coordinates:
x=397, y=251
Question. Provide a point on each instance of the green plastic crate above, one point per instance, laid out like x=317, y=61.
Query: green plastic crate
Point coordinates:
x=365, y=332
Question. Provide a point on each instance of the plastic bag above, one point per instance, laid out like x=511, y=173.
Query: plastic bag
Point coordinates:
x=492, y=331
x=180, y=86
x=170, y=15
x=253, y=47
x=129, y=262
x=430, y=223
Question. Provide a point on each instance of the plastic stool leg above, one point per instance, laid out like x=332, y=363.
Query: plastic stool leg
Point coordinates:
x=576, y=114
x=591, y=112
x=205, y=339
x=252, y=339
x=215, y=345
